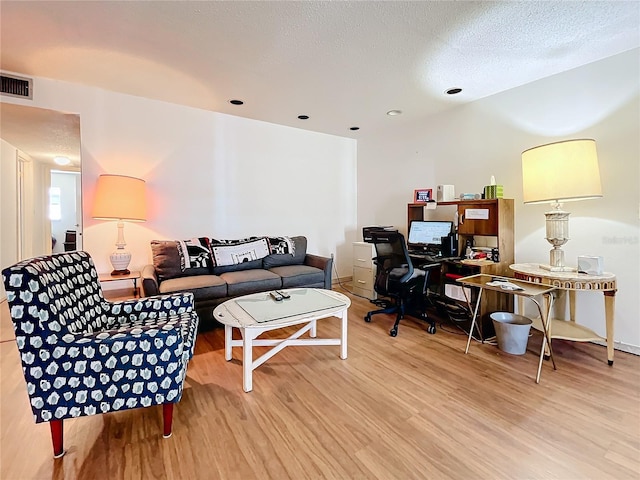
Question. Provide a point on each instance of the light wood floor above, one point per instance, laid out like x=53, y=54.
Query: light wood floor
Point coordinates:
x=410, y=407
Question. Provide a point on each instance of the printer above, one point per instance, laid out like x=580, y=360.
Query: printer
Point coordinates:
x=366, y=232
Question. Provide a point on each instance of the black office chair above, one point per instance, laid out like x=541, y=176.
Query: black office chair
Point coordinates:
x=397, y=279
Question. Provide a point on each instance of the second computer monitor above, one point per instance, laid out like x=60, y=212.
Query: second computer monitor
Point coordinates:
x=427, y=234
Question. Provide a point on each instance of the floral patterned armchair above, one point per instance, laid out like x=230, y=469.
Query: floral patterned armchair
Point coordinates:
x=82, y=355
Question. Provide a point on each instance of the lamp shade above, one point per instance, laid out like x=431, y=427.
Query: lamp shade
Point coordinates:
x=560, y=172
x=119, y=197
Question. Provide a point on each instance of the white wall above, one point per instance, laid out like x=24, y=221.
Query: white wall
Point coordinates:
x=219, y=175
x=208, y=174
x=467, y=145
x=8, y=207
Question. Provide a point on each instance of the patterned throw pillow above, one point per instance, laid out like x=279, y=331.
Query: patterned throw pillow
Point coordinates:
x=195, y=253
x=170, y=260
x=295, y=256
x=281, y=245
x=234, y=252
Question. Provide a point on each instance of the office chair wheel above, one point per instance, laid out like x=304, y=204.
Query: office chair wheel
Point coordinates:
x=367, y=318
x=393, y=332
x=431, y=329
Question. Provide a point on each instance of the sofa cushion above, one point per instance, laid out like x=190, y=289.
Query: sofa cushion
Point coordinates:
x=278, y=260
x=167, y=261
x=299, y=275
x=203, y=287
x=250, y=281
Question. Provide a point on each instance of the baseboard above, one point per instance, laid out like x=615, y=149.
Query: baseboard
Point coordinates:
x=345, y=282
x=341, y=281
x=623, y=347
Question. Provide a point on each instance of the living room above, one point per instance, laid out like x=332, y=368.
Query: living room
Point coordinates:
x=228, y=176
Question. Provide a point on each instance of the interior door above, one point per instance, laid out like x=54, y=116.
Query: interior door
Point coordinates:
x=79, y=212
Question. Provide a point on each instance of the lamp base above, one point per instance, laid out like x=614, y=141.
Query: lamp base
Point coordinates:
x=553, y=268
x=120, y=261
x=117, y=273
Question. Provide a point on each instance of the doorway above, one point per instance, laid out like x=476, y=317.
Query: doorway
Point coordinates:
x=65, y=213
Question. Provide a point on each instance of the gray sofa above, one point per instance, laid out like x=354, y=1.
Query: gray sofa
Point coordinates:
x=212, y=284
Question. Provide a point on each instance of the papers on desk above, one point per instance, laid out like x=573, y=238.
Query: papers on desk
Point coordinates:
x=505, y=285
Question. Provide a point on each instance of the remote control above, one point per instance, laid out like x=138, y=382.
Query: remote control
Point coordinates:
x=276, y=296
x=283, y=294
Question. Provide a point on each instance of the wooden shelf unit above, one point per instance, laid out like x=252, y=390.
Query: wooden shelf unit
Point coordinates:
x=499, y=224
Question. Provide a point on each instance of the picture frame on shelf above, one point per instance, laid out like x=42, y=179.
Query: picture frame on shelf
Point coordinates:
x=422, y=195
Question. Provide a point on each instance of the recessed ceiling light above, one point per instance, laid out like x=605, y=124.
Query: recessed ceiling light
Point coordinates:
x=62, y=160
x=303, y=117
x=236, y=102
x=354, y=128
x=393, y=113
x=453, y=91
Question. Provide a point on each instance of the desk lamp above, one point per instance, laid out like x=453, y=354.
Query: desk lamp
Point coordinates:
x=120, y=198
x=555, y=173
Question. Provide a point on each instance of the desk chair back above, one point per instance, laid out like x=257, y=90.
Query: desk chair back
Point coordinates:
x=397, y=278
x=394, y=266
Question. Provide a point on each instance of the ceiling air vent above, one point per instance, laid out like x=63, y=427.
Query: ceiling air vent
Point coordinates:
x=17, y=86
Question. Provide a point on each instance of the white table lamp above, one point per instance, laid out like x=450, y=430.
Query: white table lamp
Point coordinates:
x=120, y=198
x=555, y=173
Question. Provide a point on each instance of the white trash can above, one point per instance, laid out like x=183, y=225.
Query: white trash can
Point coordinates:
x=512, y=332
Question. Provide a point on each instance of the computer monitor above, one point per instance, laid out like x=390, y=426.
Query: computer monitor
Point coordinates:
x=427, y=234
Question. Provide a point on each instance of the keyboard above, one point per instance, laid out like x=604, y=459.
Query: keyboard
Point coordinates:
x=431, y=258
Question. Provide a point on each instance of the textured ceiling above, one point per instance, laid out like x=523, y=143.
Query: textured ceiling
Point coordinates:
x=343, y=64
x=43, y=134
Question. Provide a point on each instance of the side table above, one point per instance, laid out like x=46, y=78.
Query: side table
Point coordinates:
x=573, y=282
x=525, y=290
x=134, y=276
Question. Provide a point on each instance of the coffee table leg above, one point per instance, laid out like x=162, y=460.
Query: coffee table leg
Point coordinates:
x=313, y=332
x=343, y=336
x=227, y=342
x=247, y=359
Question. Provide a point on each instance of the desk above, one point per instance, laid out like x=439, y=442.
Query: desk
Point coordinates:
x=494, y=301
x=529, y=290
x=573, y=282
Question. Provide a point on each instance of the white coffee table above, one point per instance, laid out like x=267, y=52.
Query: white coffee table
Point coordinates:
x=258, y=313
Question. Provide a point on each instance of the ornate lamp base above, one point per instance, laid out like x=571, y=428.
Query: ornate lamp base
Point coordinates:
x=120, y=261
x=557, y=226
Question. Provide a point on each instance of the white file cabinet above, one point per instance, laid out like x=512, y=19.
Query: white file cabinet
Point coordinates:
x=364, y=271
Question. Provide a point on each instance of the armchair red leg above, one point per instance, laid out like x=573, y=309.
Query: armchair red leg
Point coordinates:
x=167, y=413
x=56, y=437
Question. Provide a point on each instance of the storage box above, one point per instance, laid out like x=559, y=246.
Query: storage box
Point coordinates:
x=493, y=191
x=456, y=292
x=445, y=193
x=590, y=265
